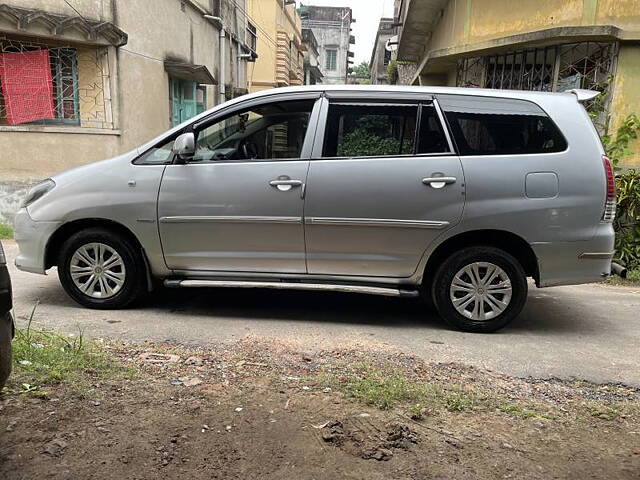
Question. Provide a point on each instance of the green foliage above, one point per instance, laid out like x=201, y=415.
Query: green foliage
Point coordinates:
x=392, y=72
x=43, y=358
x=362, y=70
x=5, y=231
x=361, y=142
x=627, y=222
x=617, y=147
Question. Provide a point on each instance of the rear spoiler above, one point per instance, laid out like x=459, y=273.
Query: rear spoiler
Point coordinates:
x=584, y=95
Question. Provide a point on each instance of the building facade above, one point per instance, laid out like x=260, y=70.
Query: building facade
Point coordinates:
x=279, y=47
x=332, y=29
x=381, y=55
x=312, y=73
x=93, y=81
x=551, y=45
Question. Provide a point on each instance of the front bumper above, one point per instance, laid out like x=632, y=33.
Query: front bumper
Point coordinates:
x=32, y=238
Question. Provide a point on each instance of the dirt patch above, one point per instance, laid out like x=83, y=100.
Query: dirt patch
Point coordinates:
x=266, y=410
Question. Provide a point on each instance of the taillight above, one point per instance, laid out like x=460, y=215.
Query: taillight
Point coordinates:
x=610, y=200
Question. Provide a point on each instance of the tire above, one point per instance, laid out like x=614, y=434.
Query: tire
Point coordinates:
x=118, y=285
x=500, y=304
x=6, y=333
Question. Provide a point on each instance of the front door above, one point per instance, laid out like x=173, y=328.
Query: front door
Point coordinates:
x=383, y=184
x=238, y=205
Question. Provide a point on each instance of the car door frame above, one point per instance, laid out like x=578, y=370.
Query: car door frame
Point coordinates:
x=389, y=97
x=305, y=154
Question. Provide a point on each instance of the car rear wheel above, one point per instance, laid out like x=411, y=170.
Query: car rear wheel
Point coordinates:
x=479, y=289
x=101, y=269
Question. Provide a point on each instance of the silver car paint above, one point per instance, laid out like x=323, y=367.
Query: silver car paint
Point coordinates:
x=559, y=228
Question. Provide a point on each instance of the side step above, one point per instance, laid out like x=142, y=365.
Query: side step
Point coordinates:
x=385, y=291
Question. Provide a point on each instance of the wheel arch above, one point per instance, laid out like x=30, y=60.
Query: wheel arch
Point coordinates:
x=66, y=230
x=511, y=243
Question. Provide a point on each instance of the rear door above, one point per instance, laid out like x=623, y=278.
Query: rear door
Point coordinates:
x=383, y=183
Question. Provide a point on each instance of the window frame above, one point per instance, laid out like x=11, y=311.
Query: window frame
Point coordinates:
x=392, y=102
x=229, y=109
x=450, y=129
x=335, y=58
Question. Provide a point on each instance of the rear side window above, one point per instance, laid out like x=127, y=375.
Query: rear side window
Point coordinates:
x=358, y=130
x=491, y=126
x=370, y=130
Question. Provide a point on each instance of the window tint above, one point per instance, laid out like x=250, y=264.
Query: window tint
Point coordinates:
x=487, y=126
x=370, y=130
x=272, y=131
x=431, y=138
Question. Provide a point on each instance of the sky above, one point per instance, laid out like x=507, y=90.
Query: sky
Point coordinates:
x=367, y=14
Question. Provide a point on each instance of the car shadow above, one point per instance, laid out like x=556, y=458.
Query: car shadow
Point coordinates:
x=542, y=315
x=295, y=305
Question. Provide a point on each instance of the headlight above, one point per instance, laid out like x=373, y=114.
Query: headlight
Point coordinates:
x=38, y=192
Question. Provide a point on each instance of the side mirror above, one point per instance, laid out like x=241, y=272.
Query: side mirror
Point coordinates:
x=184, y=147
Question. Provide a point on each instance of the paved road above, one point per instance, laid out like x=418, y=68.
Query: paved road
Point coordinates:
x=590, y=332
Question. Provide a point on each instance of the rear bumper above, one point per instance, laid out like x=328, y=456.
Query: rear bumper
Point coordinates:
x=574, y=263
x=32, y=238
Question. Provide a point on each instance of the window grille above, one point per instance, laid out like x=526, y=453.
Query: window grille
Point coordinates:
x=76, y=88
x=588, y=65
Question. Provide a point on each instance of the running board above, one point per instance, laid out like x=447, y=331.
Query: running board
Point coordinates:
x=385, y=291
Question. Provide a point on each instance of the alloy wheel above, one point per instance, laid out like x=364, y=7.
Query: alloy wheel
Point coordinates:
x=97, y=270
x=480, y=291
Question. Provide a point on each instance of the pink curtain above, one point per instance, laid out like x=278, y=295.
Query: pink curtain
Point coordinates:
x=27, y=86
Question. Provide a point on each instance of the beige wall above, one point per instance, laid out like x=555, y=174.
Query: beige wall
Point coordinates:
x=277, y=25
x=474, y=21
x=133, y=80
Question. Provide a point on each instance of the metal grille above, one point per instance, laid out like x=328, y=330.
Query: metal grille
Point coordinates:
x=580, y=65
x=588, y=65
x=79, y=84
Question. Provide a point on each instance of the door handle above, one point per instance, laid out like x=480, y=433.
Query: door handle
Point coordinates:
x=285, y=184
x=439, y=182
x=291, y=183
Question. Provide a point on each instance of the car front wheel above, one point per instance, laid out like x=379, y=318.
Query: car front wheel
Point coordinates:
x=479, y=289
x=101, y=269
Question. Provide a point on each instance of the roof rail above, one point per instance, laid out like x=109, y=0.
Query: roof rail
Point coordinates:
x=584, y=95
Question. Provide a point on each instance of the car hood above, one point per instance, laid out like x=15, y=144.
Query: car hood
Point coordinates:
x=102, y=167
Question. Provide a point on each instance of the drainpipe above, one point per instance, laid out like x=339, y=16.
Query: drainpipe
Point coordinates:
x=222, y=81
x=221, y=57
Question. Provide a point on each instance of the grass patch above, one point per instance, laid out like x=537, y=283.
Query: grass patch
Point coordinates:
x=604, y=412
x=633, y=278
x=385, y=390
x=42, y=359
x=6, y=232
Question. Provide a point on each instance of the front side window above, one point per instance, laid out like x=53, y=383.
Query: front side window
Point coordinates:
x=491, y=126
x=271, y=131
x=331, y=63
x=370, y=130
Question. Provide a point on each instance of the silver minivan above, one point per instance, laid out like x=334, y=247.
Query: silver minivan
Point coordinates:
x=456, y=195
